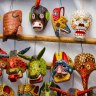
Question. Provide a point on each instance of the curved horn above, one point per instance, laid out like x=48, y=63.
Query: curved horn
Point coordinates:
x=4, y=55
x=41, y=53
x=24, y=50
x=25, y=57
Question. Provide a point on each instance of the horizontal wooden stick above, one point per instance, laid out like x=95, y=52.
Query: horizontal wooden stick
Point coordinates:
x=52, y=39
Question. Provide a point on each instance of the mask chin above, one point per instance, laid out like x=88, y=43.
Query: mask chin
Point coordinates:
x=13, y=77
x=61, y=77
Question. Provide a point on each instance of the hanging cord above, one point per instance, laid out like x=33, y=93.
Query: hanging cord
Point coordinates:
x=82, y=47
x=35, y=48
x=82, y=4
x=73, y=80
x=2, y=76
x=60, y=3
x=11, y=5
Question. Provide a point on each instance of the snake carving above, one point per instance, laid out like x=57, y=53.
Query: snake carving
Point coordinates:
x=84, y=64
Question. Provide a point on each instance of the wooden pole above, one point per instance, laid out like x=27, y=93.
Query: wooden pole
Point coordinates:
x=52, y=39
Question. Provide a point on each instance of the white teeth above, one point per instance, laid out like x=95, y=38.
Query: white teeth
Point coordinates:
x=37, y=77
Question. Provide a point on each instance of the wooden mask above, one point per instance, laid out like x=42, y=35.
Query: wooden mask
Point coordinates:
x=62, y=67
x=39, y=17
x=60, y=22
x=84, y=64
x=12, y=24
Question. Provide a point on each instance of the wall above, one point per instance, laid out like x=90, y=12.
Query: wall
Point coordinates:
x=71, y=49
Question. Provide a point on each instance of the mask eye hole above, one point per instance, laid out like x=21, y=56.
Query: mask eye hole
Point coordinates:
x=41, y=16
x=33, y=16
x=88, y=66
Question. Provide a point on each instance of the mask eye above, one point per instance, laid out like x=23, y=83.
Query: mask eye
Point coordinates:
x=88, y=66
x=85, y=20
x=33, y=16
x=41, y=16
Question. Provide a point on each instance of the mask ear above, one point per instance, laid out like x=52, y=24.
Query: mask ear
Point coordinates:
x=47, y=15
x=30, y=17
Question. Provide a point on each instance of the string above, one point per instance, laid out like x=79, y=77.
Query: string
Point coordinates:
x=60, y=2
x=82, y=4
x=73, y=80
x=11, y=5
x=81, y=47
x=35, y=48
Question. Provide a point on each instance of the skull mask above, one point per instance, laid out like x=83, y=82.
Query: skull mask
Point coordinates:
x=81, y=23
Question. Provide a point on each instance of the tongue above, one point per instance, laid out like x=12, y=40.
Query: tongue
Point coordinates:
x=13, y=77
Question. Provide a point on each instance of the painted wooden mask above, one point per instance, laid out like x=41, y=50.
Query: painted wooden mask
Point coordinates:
x=71, y=91
x=39, y=17
x=28, y=90
x=15, y=66
x=62, y=67
x=12, y=24
x=59, y=22
x=5, y=90
x=46, y=91
x=36, y=67
x=81, y=22
x=84, y=64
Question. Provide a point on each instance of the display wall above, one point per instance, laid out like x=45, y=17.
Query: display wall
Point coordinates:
x=71, y=49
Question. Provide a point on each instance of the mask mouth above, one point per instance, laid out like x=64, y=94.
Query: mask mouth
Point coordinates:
x=36, y=80
x=37, y=26
x=60, y=77
x=13, y=77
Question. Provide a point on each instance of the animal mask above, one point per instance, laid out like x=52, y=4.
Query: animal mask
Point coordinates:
x=84, y=65
x=46, y=91
x=71, y=91
x=59, y=22
x=28, y=90
x=62, y=67
x=12, y=24
x=81, y=23
x=5, y=90
x=15, y=66
x=39, y=17
x=36, y=67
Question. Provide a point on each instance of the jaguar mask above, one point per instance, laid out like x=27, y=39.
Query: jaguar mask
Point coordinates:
x=36, y=67
x=81, y=22
x=84, y=64
x=15, y=66
x=62, y=67
x=46, y=91
x=60, y=22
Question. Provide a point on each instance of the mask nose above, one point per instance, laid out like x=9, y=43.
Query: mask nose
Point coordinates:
x=82, y=25
x=59, y=70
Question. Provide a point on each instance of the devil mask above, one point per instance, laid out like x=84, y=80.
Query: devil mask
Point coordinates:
x=5, y=90
x=15, y=65
x=62, y=67
x=84, y=65
x=12, y=24
x=59, y=22
x=39, y=17
x=28, y=90
x=81, y=23
x=46, y=91
x=36, y=67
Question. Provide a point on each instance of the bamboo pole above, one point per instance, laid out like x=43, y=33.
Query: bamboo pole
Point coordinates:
x=52, y=39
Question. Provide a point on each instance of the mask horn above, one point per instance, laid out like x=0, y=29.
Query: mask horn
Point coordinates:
x=24, y=51
x=37, y=3
x=25, y=57
x=4, y=55
x=41, y=53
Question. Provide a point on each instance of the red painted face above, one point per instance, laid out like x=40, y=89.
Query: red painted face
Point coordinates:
x=56, y=13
